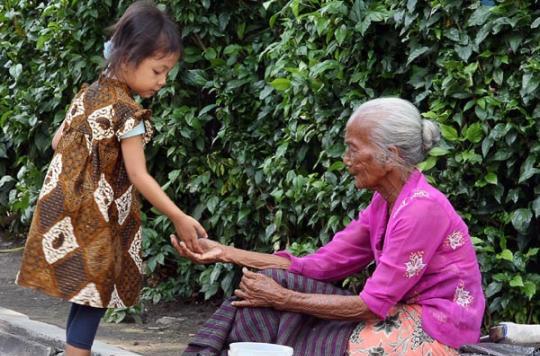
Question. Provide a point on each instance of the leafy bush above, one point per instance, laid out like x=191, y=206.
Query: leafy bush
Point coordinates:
x=251, y=128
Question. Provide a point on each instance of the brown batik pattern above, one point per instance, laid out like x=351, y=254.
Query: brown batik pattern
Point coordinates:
x=85, y=238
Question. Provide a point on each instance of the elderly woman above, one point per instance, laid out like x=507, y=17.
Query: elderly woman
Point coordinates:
x=424, y=296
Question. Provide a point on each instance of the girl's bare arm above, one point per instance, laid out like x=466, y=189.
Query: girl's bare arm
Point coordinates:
x=135, y=162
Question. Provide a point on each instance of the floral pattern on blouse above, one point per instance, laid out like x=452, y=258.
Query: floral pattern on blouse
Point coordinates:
x=455, y=240
x=440, y=316
x=415, y=264
x=419, y=193
x=462, y=296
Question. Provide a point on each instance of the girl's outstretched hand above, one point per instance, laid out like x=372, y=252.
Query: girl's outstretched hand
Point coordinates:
x=189, y=230
x=212, y=251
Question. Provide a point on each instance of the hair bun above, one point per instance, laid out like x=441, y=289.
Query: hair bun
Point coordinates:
x=431, y=134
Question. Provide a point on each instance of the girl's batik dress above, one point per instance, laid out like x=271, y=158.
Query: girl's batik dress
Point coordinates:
x=85, y=238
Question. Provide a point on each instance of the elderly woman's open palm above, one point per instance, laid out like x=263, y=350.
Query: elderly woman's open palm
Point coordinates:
x=212, y=251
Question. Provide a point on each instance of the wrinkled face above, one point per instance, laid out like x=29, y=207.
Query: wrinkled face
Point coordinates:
x=362, y=157
x=147, y=78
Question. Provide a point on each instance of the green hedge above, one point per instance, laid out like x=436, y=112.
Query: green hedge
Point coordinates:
x=251, y=128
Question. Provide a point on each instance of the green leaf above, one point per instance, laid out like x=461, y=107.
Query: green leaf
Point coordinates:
x=411, y=4
x=506, y=255
x=530, y=289
x=336, y=166
x=521, y=219
x=243, y=214
x=532, y=252
x=493, y=288
x=227, y=282
x=173, y=73
x=212, y=204
x=281, y=84
x=527, y=169
x=267, y=4
x=322, y=67
x=210, y=53
x=491, y=178
x=427, y=164
x=416, y=53
x=517, y=281
x=341, y=34
x=295, y=8
x=265, y=92
x=15, y=71
x=529, y=84
x=196, y=77
x=498, y=76
x=474, y=133
x=438, y=151
x=535, y=206
x=206, y=109
x=536, y=23
x=464, y=52
x=479, y=16
x=448, y=132
x=514, y=40
x=6, y=181
x=173, y=175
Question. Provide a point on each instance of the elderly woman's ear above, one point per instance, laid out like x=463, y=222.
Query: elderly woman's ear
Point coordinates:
x=390, y=156
x=394, y=151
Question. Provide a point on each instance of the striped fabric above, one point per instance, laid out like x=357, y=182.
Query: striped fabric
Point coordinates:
x=306, y=334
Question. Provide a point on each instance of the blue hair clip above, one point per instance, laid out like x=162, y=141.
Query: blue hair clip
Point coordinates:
x=107, y=49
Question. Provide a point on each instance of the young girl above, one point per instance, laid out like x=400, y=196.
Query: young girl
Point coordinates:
x=85, y=238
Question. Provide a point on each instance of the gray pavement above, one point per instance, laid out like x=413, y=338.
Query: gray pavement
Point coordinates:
x=22, y=336
x=32, y=323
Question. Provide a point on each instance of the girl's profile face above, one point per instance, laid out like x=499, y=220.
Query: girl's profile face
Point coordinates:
x=147, y=78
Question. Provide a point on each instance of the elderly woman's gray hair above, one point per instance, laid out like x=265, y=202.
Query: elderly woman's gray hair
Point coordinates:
x=397, y=122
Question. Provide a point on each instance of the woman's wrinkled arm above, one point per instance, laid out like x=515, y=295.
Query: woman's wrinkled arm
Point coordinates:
x=256, y=260
x=214, y=251
x=337, y=307
x=258, y=290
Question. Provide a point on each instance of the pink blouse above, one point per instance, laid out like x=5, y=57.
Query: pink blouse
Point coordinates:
x=423, y=255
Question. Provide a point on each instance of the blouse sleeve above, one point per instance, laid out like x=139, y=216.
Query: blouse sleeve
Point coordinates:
x=129, y=117
x=348, y=252
x=414, y=236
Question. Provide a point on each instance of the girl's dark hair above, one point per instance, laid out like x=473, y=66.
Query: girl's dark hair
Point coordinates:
x=143, y=31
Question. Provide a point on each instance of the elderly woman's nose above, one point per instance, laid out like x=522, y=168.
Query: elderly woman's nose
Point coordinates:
x=346, y=159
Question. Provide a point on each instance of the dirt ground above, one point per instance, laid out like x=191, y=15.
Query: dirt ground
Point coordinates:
x=149, y=338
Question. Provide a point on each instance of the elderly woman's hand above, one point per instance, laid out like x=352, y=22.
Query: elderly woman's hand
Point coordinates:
x=258, y=290
x=212, y=251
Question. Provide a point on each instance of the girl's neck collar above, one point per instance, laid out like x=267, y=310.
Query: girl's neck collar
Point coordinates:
x=105, y=76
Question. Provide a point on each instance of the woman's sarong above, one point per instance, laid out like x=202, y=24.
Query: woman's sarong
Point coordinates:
x=400, y=334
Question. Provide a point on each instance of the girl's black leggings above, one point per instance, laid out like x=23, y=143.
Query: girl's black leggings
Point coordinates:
x=82, y=325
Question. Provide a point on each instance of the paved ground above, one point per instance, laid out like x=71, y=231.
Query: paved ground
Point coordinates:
x=150, y=338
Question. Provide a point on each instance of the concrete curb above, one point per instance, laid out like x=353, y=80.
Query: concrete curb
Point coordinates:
x=21, y=336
